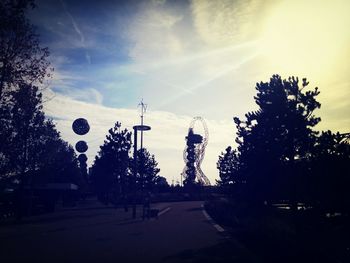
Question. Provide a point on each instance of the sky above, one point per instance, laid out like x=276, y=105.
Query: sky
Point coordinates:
x=186, y=59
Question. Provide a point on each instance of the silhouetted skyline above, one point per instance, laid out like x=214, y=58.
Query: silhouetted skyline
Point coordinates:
x=283, y=189
x=186, y=59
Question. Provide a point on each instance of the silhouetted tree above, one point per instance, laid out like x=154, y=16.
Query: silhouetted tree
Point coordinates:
x=34, y=152
x=329, y=171
x=147, y=170
x=161, y=184
x=56, y=159
x=111, y=168
x=23, y=63
x=28, y=121
x=30, y=147
x=276, y=136
x=22, y=59
x=229, y=170
x=34, y=145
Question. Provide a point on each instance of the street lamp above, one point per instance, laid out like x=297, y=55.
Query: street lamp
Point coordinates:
x=137, y=128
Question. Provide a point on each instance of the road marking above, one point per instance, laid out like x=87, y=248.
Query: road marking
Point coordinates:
x=164, y=211
x=217, y=227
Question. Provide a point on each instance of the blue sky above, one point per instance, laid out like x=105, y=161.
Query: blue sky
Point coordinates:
x=186, y=59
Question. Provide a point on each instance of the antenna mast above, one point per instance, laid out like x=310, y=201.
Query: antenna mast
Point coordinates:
x=143, y=110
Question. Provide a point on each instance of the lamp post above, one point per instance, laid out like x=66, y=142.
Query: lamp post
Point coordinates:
x=137, y=128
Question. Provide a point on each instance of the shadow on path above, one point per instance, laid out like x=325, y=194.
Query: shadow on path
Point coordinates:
x=194, y=209
x=225, y=251
x=46, y=219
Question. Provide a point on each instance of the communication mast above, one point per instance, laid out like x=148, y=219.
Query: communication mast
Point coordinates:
x=143, y=110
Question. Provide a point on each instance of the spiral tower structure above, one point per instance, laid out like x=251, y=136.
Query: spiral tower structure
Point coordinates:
x=194, y=153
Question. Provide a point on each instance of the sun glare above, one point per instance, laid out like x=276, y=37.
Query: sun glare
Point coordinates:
x=307, y=36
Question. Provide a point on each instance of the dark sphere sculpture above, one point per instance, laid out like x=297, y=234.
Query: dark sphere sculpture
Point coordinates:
x=82, y=158
x=81, y=126
x=81, y=146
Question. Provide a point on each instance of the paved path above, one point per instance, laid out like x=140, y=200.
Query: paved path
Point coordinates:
x=99, y=234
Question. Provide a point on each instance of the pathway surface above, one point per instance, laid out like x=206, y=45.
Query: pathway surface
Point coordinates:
x=99, y=234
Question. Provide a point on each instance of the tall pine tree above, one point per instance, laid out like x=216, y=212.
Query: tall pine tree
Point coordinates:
x=229, y=170
x=147, y=170
x=111, y=168
x=275, y=137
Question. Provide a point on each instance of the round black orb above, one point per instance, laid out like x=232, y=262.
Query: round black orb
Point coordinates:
x=81, y=146
x=82, y=158
x=81, y=126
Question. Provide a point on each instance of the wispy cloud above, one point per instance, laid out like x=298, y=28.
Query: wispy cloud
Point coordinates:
x=151, y=33
x=88, y=57
x=89, y=95
x=77, y=30
x=226, y=22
